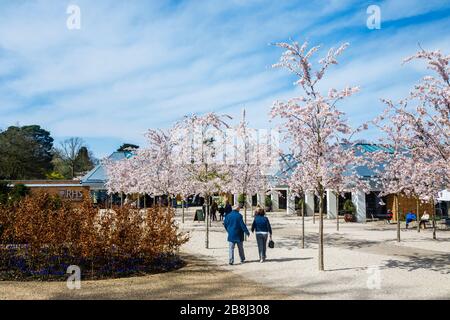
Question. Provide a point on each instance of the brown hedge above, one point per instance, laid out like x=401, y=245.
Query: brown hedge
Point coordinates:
x=42, y=235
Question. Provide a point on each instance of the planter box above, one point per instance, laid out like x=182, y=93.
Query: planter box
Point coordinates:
x=348, y=217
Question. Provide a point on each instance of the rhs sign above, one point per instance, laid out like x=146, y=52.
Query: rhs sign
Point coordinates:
x=74, y=195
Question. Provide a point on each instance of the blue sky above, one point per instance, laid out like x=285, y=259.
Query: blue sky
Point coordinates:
x=141, y=64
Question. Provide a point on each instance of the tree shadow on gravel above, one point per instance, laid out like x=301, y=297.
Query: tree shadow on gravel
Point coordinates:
x=287, y=259
x=435, y=262
x=330, y=240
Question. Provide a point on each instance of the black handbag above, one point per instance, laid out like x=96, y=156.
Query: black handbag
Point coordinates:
x=271, y=244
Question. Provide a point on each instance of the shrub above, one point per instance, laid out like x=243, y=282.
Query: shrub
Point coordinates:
x=241, y=199
x=349, y=206
x=42, y=235
x=268, y=202
x=11, y=195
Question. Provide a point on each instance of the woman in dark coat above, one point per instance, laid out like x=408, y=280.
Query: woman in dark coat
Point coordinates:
x=261, y=226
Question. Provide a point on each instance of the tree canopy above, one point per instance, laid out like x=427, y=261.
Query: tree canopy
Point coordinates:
x=25, y=153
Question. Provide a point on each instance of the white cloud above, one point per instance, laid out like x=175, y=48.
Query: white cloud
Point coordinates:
x=136, y=65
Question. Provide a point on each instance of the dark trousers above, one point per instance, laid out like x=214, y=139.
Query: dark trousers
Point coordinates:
x=424, y=223
x=261, y=239
x=408, y=221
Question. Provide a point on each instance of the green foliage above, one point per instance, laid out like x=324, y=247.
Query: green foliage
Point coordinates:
x=127, y=147
x=12, y=195
x=268, y=202
x=54, y=175
x=241, y=198
x=349, y=206
x=4, y=191
x=72, y=158
x=25, y=153
x=83, y=161
x=300, y=203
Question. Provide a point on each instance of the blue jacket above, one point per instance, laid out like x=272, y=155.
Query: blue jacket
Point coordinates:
x=235, y=226
x=261, y=224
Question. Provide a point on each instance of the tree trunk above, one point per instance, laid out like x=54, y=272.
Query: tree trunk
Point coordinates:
x=245, y=213
x=73, y=170
x=397, y=216
x=207, y=223
x=434, y=220
x=303, y=225
x=321, y=264
x=337, y=212
x=418, y=215
x=121, y=199
x=182, y=211
x=145, y=201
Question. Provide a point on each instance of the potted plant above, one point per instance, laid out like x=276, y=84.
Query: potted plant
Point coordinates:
x=268, y=204
x=241, y=200
x=300, y=206
x=349, y=211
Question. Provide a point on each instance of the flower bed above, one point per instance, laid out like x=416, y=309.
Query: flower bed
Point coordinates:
x=42, y=235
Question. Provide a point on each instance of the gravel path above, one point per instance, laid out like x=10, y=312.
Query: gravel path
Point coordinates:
x=416, y=268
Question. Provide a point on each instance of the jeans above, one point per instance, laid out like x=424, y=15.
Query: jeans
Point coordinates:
x=408, y=221
x=240, y=246
x=261, y=239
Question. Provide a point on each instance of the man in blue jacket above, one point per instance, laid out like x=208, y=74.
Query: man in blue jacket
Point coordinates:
x=235, y=226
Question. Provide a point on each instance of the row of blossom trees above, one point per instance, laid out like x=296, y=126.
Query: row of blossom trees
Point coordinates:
x=417, y=129
x=199, y=155
x=194, y=157
x=416, y=160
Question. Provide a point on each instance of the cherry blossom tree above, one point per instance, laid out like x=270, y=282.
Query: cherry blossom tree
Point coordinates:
x=418, y=129
x=160, y=162
x=121, y=176
x=202, y=154
x=249, y=166
x=314, y=127
x=152, y=170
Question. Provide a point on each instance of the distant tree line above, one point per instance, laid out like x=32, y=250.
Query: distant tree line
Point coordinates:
x=28, y=152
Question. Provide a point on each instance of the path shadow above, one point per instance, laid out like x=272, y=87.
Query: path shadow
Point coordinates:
x=346, y=269
x=287, y=259
x=435, y=262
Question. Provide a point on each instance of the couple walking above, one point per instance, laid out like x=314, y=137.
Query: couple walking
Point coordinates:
x=236, y=228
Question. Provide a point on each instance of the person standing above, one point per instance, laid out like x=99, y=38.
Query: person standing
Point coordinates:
x=261, y=225
x=221, y=212
x=236, y=228
x=228, y=208
x=214, y=208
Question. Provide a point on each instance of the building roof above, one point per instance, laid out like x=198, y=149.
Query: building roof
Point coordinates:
x=97, y=176
x=288, y=163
